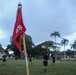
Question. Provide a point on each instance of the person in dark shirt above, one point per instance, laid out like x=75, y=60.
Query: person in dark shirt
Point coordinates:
x=30, y=58
x=53, y=58
x=4, y=60
x=45, y=61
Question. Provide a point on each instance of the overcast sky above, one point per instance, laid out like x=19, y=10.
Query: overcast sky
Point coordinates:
x=41, y=18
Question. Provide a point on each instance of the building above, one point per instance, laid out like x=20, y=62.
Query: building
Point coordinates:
x=2, y=52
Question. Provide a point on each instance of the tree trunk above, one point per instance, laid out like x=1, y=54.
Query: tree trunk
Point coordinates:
x=55, y=49
x=64, y=52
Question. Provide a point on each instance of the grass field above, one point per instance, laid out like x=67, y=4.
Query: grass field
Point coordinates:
x=17, y=67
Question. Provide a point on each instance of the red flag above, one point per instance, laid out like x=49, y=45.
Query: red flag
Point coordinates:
x=19, y=28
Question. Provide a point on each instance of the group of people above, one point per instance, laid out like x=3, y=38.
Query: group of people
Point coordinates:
x=45, y=60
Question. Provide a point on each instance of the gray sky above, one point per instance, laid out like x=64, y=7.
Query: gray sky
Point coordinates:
x=41, y=18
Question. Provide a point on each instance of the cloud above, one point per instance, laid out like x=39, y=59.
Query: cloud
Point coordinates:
x=38, y=1
x=2, y=34
x=71, y=37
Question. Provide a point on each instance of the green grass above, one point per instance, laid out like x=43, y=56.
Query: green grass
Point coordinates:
x=18, y=67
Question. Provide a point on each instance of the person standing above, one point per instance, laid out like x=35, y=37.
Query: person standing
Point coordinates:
x=30, y=58
x=53, y=58
x=45, y=61
x=4, y=60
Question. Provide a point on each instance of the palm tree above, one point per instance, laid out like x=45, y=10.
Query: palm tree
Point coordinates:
x=55, y=34
x=64, y=42
x=74, y=46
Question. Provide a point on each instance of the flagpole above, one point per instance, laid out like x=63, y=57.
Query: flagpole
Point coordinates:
x=24, y=45
x=25, y=54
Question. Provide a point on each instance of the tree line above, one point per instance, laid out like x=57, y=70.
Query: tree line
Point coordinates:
x=46, y=46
